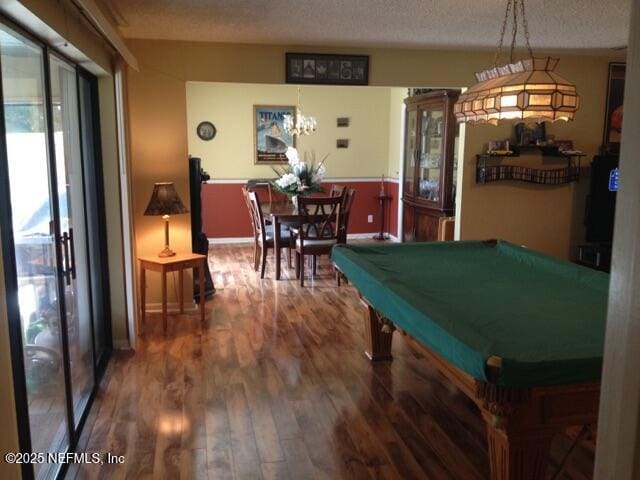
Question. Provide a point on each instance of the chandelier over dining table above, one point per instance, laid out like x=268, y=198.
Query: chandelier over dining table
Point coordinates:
x=527, y=90
x=299, y=124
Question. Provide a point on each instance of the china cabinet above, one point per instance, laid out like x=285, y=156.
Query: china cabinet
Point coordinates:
x=430, y=163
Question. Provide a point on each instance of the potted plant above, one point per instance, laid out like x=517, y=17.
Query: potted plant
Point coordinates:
x=299, y=177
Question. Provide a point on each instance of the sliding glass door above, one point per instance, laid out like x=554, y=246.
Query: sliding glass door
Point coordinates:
x=95, y=212
x=34, y=239
x=52, y=239
x=73, y=232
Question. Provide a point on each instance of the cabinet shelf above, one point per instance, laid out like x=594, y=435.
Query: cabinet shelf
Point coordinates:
x=487, y=172
x=556, y=176
x=546, y=151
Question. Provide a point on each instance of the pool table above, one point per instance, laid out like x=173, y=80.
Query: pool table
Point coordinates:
x=519, y=332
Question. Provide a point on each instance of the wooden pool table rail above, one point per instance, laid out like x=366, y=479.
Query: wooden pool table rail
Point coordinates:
x=520, y=422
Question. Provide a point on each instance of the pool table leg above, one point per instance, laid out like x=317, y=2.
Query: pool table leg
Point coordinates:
x=378, y=335
x=521, y=455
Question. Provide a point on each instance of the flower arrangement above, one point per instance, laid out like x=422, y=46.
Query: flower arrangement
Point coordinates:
x=299, y=177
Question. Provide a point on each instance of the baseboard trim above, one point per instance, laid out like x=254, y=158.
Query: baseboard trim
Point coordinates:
x=172, y=307
x=361, y=236
x=242, y=181
x=229, y=240
x=239, y=240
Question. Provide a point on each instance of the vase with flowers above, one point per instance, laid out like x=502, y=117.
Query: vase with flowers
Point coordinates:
x=299, y=177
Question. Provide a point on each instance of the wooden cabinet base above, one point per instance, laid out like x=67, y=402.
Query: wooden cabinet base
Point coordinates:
x=421, y=224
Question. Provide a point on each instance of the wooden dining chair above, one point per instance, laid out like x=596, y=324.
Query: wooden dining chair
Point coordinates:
x=318, y=229
x=264, y=232
x=337, y=190
x=245, y=197
x=347, y=203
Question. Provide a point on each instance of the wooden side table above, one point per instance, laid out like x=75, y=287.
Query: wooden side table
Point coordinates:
x=177, y=263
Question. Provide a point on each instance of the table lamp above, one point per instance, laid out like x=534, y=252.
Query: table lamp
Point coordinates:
x=165, y=201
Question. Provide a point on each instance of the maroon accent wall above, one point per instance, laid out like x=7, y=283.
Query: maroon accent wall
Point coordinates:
x=224, y=213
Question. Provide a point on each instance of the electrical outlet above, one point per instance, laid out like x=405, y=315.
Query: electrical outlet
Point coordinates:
x=370, y=218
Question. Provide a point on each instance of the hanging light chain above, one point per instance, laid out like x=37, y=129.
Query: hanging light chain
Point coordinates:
x=511, y=10
x=525, y=25
x=502, y=32
x=514, y=30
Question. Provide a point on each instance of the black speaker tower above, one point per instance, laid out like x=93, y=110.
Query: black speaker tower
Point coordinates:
x=199, y=241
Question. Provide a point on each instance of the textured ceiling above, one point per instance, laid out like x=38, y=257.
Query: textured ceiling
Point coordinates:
x=564, y=24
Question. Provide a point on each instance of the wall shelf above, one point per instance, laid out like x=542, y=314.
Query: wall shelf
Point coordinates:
x=488, y=170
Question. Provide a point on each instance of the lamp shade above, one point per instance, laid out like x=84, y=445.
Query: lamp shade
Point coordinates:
x=528, y=90
x=165, y=200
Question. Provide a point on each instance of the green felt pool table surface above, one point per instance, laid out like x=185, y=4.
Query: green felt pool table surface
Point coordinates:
x=470, y=300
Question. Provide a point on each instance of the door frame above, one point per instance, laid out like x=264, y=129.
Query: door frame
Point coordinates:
x=99, y=367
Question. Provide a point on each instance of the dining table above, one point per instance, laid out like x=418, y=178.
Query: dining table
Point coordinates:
x=279, y=213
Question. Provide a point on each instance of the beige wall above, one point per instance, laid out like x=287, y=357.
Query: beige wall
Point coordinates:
x=9, y=436
x=230, y=108
x=396, y=131
x=158, y=144
x=543, y=218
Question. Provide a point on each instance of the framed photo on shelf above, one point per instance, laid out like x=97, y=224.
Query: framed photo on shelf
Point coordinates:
x=326, y=69
x=614, y=108
x=270, y=139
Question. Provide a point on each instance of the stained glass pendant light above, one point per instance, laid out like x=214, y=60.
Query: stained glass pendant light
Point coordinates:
x=528, y=90
x=299, y=124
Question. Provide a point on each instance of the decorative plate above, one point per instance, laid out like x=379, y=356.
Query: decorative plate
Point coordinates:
x=206, y=131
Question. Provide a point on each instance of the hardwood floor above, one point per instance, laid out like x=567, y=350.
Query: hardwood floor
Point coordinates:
x=276, y=386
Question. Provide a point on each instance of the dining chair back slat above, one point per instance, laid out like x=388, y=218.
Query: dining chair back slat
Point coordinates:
x=247, y=202
x=349, y=196
x=258, y=217
x=319, y=218
x=337, y=190
x=319, y=229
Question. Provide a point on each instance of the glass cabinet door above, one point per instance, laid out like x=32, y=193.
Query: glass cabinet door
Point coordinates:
x=456, y=154
x=410, y=152
x=431, y=153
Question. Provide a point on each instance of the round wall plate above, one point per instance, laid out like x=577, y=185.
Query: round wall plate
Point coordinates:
x=206, y=131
